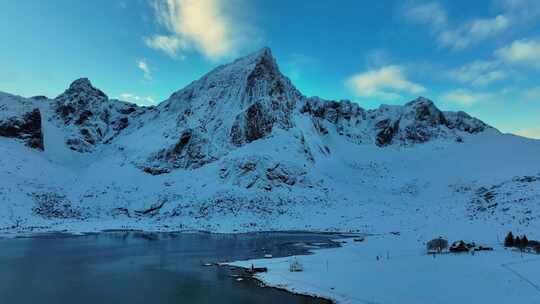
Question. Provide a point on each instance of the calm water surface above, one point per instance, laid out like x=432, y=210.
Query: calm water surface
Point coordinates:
x=136, y=267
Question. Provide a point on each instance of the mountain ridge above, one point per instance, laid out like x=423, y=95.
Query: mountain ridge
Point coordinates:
x=243, y=149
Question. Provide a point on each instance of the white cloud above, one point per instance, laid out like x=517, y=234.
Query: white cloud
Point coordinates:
x=464, y=97
x=521, y=10
x=457, y=37
x=526, y=52
x=203, y=25
x=168, y=44
x=473, y=32
x=142, y=101
x=386, y=83
x=427, y=13
x=143, y=66
x=478, y=73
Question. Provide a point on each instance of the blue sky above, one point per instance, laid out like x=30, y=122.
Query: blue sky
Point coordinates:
x=482, y=57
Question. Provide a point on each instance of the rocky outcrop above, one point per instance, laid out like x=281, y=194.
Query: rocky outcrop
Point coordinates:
x=26, y=127
x=91, y=117
x=418, y=121
x=191, y=151
x=332, y=111
x=252, y=124
x=464, y=122
x=51, y=205
x=264, y=173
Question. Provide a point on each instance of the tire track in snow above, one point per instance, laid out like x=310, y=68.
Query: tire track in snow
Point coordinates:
x=522, y=277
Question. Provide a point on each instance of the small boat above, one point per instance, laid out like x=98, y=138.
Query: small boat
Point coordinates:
x=208, y=264
x=267, y=256
x=239, y=279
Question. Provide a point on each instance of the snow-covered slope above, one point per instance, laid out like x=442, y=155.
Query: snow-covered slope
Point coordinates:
x=242, y=149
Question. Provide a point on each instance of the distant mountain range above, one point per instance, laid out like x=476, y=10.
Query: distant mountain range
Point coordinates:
x=242, y=149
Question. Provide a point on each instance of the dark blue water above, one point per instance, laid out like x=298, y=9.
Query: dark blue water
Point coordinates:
x=136, y=267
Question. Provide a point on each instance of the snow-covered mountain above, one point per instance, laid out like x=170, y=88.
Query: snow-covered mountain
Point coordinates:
x=242, y=149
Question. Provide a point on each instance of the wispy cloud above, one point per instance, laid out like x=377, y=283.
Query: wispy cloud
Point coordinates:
x=456, y=37
x=143, y=66
x=473, y=32
x=478, y=73
x=465, y=97
x=522, y=52
x=142, y=101
x=520, y=10
x=428, y=13
x=208, y=26
x=171, y=45
x=386, y=83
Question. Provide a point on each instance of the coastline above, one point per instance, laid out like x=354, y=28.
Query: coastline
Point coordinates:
x=383, y=269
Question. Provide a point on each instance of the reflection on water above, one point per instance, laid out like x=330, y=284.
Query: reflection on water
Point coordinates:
x=137, y=267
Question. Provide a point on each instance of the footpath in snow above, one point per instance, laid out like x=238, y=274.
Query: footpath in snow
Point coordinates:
x=405, y=273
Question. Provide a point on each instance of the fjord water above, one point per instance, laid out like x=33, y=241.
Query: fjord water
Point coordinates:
x=137, y=267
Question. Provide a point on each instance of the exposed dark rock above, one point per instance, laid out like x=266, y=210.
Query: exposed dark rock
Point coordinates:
x=260, y=172
x=386, y=131
x=127, y=110
x=122, y=124
x=265, y=71
x=464, y=122
x=39, y=97
x=152, y=211
x=182, y=142
x=333, y=111
x=84, y=88
x=281, y=174
x=54, y=206
x=98, y=119
x=26, y=128
x=252, y=124
x=191, y=151
x=84, y=116
x=65, y=111
x=156, y=171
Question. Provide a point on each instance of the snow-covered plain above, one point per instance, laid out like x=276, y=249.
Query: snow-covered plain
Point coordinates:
x=405, y=274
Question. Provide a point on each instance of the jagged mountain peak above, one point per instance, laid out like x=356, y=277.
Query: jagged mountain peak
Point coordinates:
x=263, y=54
x=84, y=87
x=420, y=100
x=247, y=80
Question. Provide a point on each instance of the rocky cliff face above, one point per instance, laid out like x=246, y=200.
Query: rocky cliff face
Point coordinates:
x=90, y=116
x=233, y=105
x=21, y=119
x=26, y=128
x=416, y=122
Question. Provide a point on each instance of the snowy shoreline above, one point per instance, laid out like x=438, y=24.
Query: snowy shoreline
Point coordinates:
x=374, y=271
x=83, y=230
